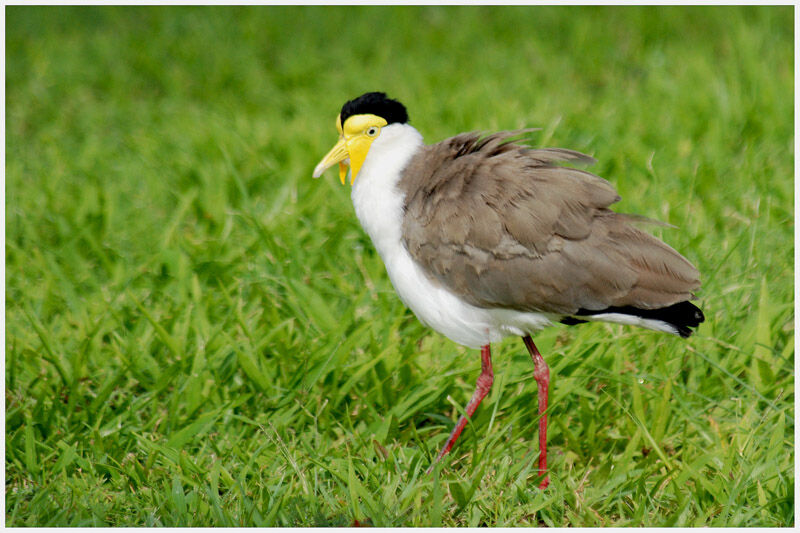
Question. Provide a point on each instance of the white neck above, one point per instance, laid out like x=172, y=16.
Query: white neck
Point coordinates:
x=376, y=198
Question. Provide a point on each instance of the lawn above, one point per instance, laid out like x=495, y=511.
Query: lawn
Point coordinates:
x=199, y=334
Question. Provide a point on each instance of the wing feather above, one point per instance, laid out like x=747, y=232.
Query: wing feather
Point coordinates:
x=502, y=225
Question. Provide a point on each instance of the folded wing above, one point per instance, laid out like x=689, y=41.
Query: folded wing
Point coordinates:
x=503, y=225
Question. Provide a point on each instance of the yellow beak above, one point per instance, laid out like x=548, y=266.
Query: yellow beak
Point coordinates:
x=338, y=154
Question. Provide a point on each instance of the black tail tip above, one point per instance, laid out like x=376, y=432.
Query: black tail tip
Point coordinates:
x=686, y=316
x=682, y=316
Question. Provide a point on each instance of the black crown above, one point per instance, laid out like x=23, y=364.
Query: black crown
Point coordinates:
x=375, y=104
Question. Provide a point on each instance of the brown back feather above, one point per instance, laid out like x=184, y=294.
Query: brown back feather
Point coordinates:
x=502, y=226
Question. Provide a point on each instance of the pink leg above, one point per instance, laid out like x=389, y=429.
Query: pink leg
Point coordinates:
x=542, y=374
x=481, y=390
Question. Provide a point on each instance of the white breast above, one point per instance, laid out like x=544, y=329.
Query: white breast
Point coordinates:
x=379, y=207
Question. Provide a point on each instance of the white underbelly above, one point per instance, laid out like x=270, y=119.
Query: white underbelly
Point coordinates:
x=440, y=309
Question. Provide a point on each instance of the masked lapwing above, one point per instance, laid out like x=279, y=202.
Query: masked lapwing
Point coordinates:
x=484, y=237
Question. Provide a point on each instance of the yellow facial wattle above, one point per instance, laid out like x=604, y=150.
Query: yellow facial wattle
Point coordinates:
x=355, y=138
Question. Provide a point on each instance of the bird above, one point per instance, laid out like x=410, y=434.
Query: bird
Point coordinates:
x=484, y=237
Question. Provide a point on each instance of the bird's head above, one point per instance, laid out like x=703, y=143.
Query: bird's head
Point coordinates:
x=359, y=124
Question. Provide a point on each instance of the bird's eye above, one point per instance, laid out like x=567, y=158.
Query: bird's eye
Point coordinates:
x=373, y=131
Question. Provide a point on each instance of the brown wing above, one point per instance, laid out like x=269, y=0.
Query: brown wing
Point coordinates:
x=502, y=226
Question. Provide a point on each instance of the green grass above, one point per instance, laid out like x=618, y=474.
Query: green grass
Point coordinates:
x=198, y=333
